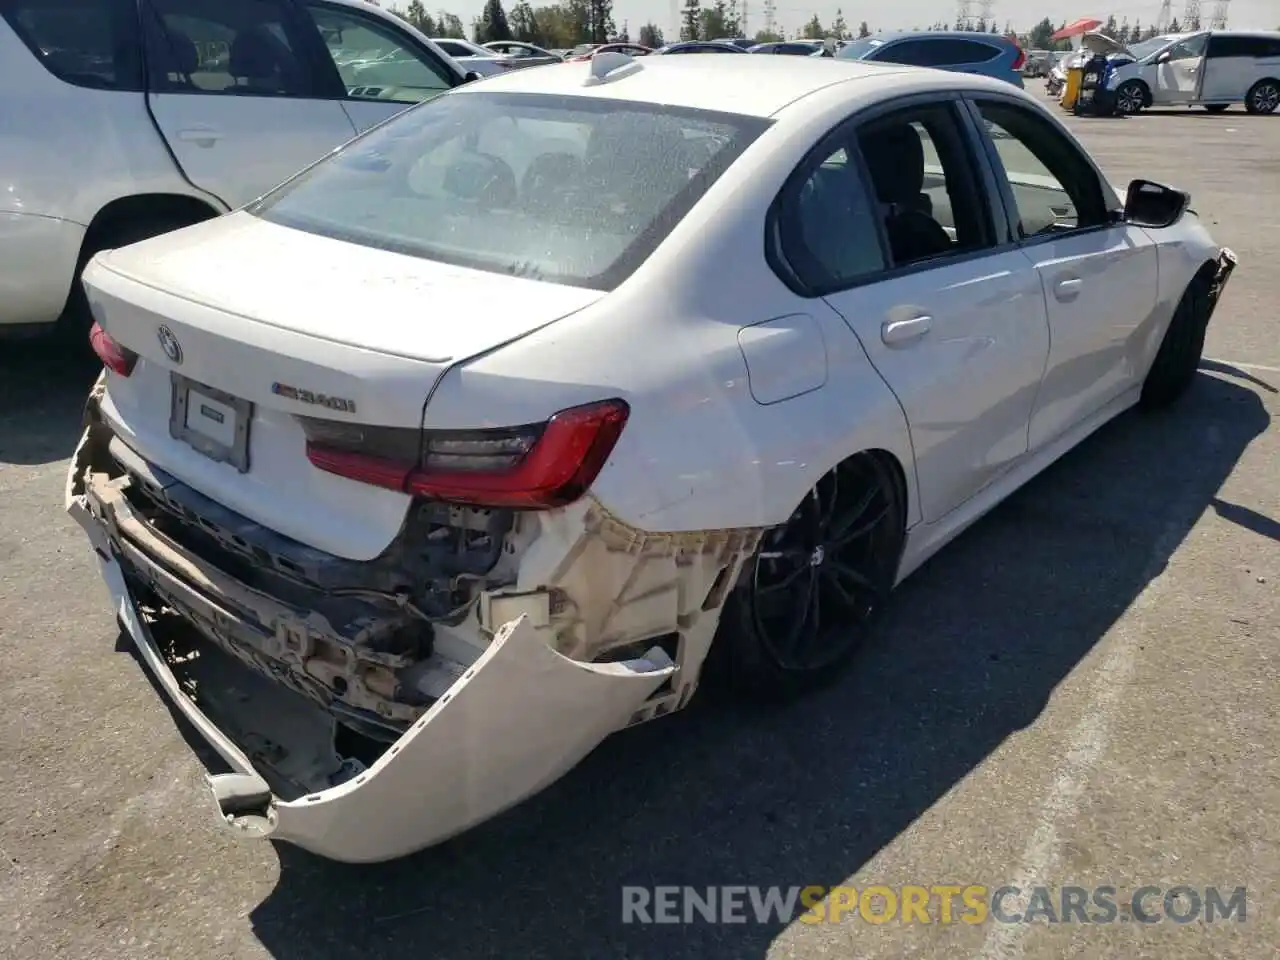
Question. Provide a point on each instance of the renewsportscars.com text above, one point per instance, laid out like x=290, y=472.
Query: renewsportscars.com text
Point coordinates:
x=938, y=903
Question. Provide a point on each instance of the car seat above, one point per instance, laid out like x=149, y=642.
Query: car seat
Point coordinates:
x=895, y=159
x=263, y=62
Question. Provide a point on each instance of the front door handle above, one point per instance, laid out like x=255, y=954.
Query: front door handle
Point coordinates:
x=201, y=136
x=1069, y=289
x=901, y=331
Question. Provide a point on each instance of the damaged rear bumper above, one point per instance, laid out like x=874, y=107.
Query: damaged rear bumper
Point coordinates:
x=516, y=720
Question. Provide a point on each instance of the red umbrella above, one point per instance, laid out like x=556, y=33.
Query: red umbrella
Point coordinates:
x=1076, y=29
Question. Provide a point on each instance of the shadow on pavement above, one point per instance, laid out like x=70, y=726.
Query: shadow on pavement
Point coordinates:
x=975, y=645
x=43, y=386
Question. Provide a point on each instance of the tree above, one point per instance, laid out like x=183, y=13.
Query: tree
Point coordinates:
x=839, y=29
x=600, y=20
x=523, y=23
x=650, y=35
x=1174, y=27
x=863, y=30
x=416, y=15
x=690, y=20
x=493, y=23
x=813, y=30
x=449, y=25
x=982, y=25
x=1110, y=28
x=1040, y=34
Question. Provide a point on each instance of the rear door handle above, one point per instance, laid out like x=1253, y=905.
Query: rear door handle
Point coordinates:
x=1068, y=289
x=203, y=136
x=901, y=331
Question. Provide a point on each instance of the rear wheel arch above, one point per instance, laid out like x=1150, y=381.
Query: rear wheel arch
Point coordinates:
x=743, y=658
x=1249, y=104
x=123, y=221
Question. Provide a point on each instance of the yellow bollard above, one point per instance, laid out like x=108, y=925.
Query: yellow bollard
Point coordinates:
x=1071, y=91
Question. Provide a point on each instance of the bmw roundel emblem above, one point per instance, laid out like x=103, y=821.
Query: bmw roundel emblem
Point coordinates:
x=172, y=348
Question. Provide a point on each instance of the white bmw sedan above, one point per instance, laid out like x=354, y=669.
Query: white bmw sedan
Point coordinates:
x=477, y=440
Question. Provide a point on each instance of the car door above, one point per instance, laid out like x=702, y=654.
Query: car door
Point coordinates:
x=235, y=90
x=1228, y=68
x=1176, y=74
x=381, y=69
x=1099, y=276
x=891, y=222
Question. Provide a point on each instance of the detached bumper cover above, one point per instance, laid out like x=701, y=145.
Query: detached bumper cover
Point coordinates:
x=515, y=722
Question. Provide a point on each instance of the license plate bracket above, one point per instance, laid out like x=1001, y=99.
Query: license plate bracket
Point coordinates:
x=211, y=421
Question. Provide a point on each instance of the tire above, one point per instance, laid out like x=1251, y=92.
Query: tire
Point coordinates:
x=1178, y=358
x=808, y=599
x=1131, y=97
x=1263, y=97
x=1218, y=107
x=73, y=326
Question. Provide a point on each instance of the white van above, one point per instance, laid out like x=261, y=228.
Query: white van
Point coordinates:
x=1212, y=68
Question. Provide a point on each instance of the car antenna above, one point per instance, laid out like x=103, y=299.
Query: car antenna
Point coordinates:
x=609, y=66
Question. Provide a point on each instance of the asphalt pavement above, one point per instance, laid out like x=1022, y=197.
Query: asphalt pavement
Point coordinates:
x=1081, y=691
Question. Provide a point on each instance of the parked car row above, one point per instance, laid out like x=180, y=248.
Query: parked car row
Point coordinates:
x=1213, y=69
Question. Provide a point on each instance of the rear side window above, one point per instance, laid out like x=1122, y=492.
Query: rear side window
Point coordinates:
x=571, y=190
x=940, y=52
x=230, y=47
x=90, y=43
x=1229, y=46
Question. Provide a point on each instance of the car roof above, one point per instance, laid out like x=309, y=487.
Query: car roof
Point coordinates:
x=941, y=35
x=753, y=86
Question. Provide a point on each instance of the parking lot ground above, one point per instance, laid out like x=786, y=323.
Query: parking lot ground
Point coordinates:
x=1083, y=690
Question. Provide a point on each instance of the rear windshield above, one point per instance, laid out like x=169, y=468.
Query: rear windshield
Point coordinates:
x=571, y=190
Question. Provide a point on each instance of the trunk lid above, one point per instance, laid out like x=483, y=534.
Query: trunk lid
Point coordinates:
x=1097, y=42
x=241, y=326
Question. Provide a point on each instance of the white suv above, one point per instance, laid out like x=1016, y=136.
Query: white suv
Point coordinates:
x=1212, y=68
x=124, y=119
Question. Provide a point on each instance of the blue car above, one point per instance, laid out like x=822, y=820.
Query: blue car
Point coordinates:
x=701, y=46
x=987, y=54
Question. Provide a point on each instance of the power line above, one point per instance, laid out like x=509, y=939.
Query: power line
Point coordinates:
x=964, y=14
x=1219, y=20
x=1164, y=17
x=1191, y=15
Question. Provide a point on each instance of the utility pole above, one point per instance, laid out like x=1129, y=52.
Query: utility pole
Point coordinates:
x=770, y=16
x=1191, y=15
x=742, y=23
x=987, y=7
x=1219, y=19
x=964, y=14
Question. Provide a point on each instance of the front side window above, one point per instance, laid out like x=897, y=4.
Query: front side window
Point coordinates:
x=1190, y=49
x=915, y=53
x=571, y=190
x=1054, y=187
x=229, y=47
x=456, y=48
x=90, y=43
x=375, y=62
x=917, y=201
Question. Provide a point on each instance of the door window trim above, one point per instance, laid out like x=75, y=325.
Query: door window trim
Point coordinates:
x=298, y=26
x=329, y=69
x=845, y=135
x=1009, y=202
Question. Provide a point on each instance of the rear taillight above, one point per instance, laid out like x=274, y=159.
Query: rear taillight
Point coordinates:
x=1020, y=60
x=531, y=467
x=114, y=357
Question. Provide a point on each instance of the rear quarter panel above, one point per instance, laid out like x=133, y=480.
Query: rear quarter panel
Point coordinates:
x=699, y=452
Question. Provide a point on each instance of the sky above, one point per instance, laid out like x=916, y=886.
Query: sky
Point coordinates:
x=904, y=14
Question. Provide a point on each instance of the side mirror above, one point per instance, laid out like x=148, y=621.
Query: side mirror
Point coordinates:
x=471, y=77
x=1164, y=57
x=1151, y=204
